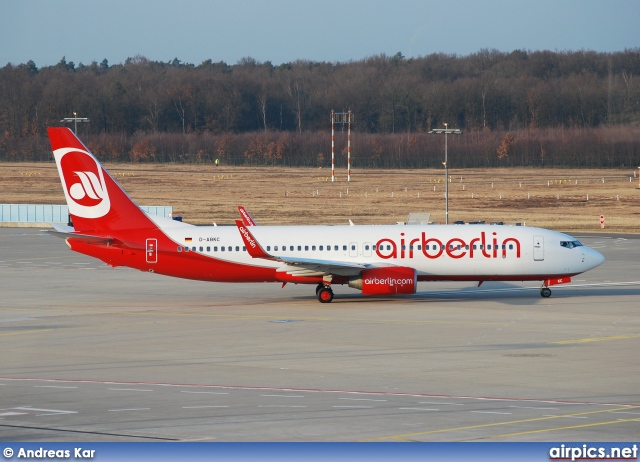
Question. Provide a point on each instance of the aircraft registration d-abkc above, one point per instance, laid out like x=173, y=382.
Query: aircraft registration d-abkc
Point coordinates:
x=378, y=260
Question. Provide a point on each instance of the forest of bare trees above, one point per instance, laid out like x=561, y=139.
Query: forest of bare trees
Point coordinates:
x=522, y=108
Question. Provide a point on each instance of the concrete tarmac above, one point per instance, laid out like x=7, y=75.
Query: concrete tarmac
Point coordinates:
x=92, y=353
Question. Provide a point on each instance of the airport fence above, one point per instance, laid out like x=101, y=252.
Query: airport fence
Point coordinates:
x=53, y=213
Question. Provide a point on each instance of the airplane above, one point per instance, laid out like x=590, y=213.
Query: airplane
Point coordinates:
x=380, y=260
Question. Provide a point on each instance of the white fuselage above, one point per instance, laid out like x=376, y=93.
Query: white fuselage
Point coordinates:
x=474, y=252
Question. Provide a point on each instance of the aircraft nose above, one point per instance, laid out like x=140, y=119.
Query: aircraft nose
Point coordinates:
x=594, y=258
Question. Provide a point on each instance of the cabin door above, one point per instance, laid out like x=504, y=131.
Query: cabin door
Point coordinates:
x=538, y=248
x=152, y=251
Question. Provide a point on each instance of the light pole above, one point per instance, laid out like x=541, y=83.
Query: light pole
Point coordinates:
x=446, y=131
x=75, y=119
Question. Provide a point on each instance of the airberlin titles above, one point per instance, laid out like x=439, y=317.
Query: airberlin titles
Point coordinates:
x=248, y=238
x=432, y=247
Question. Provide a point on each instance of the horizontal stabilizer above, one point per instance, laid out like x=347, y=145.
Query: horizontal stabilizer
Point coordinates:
x=67, y=232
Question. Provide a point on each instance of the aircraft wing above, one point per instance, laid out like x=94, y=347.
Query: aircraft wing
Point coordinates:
x=338, y=268
x=300, y=266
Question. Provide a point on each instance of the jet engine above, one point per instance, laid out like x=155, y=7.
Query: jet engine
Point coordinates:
x=392, y=280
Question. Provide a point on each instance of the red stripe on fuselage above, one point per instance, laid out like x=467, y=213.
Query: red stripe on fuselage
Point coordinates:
x=170, y=262
x=479, y=277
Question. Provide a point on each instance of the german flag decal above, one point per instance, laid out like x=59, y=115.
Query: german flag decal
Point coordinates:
x=187, y=239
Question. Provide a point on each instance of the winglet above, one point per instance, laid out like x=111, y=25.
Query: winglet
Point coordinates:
x=250, y=242
x=247, y=220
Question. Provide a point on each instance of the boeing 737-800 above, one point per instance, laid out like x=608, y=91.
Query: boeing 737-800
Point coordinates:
x=377, y=260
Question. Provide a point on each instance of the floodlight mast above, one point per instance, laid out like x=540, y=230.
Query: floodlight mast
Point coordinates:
x=341, y=118
x=446, y=131
x=75, y=119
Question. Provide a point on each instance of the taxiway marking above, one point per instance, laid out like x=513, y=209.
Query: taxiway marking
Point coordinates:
x=409, y=436
x=571, y=427
x=595, y=339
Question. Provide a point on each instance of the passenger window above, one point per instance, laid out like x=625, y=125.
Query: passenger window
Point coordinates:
x=321, y=248
x=215, y=248
x=208, y=249
x=193, y=248
x=179, y=249
x=230, y=248
x=291, y=248
x=306, y=248
x=299, y=248
x=366, y=247
x=244, y=249
x=201, y=249
x=510, y=246
x=268, y=248
x=275, y=248
x=313, y=247
x=237, y=248
x=335, y=247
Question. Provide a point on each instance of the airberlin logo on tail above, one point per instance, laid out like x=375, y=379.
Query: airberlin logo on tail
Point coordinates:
x=83, y=182
x=89, y=189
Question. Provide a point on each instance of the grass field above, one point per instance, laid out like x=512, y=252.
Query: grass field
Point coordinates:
x=562, y=199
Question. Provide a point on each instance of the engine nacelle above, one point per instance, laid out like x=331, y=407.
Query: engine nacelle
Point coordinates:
x=392, y=280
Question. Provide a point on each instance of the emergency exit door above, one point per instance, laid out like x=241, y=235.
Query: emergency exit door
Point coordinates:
x=538, y=248
x=152, y=251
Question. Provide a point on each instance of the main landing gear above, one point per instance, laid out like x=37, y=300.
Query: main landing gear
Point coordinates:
x=324, y=293
x=545, y=292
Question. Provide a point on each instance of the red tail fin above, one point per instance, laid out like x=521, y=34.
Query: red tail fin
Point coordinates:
x=96, y=202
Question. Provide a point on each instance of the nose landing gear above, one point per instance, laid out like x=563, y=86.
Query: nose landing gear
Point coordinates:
x=545, y=292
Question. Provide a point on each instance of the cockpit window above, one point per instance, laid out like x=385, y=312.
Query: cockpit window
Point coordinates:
x=570, y=244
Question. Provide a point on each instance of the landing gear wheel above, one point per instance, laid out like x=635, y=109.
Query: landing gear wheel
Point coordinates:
x=325, y=294
x=318, y=287
x=545, y=292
